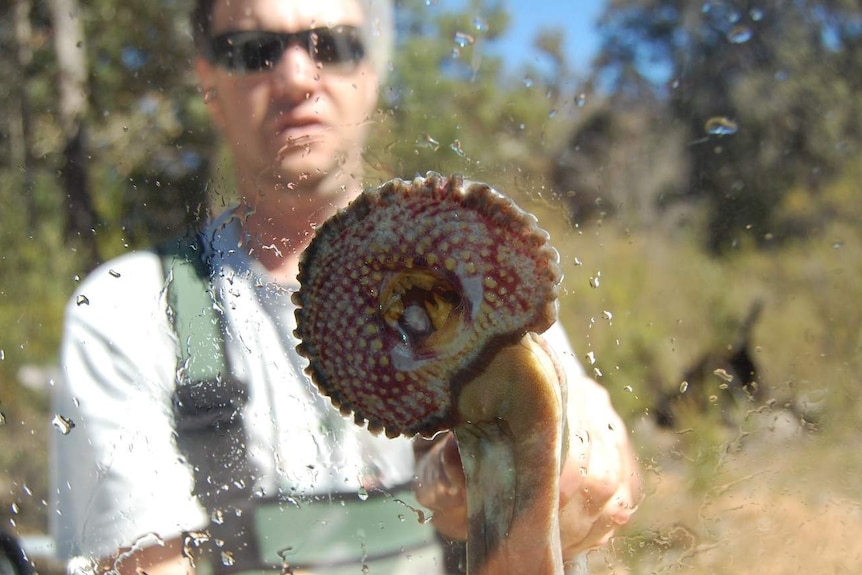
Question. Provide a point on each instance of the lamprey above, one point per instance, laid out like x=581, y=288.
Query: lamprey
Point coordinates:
x=418, y=310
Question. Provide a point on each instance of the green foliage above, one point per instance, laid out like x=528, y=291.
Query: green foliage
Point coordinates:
x=766, y=96
x=33, y=287
x=452, y=107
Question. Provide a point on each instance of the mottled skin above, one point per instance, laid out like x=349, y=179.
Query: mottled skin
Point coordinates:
x=418, y=312
x=511, y=438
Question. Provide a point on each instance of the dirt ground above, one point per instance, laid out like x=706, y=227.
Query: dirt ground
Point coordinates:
x=779, y=500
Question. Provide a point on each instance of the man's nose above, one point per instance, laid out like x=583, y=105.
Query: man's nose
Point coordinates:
x=296, y=74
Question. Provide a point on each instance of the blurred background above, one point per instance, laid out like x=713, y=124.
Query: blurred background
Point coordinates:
x=698, y=167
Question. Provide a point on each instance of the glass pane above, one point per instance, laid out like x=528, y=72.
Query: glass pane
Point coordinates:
x=694, y=164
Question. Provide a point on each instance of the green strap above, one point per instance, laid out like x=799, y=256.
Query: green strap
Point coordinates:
x=194, y=313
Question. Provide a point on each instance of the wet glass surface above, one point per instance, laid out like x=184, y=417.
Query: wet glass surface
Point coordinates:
x=696, y=165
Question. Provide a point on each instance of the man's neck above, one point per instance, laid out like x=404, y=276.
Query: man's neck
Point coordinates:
x=279, y=218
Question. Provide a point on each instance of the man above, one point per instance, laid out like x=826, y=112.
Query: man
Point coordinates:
x=291, y=86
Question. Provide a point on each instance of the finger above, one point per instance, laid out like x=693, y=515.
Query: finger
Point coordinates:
x=576, y=466
x=440, y=488
x=440, y=479
x=603, y=498
x=450, y=458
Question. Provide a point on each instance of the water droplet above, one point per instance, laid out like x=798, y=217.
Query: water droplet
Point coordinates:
x=683, y=387
x=114, y=273
x=456, y=147
x=82, y=300
x=463, y=40
x=581, y=100
x=480, y=25
x=739, y=34
x=595, y=281
x=81, y=566
x=720, y=126
x=628, y=388
x=456, y=53
x=591, y=357
x=756, y=14
x=428, y=142
x=607, y=315
x=362, y=493
x=192, y=541
x=14, y=508
x=2, y=419
x=421, y=516
x=723, y=375
x=62, y=424
x=528, y=81
x=284, y=552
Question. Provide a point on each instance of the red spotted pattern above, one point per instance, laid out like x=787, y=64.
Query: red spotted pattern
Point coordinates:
x=378, y=274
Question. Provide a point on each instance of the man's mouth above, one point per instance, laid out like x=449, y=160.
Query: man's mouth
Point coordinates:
x=300, y=133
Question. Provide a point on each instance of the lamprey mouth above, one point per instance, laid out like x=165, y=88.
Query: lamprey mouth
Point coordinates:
x=410, y=289
x=423, y=307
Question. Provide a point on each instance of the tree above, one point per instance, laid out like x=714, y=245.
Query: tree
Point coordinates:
x=72, y=103
x=765, y=93
x=20, y=123
x=451, y=104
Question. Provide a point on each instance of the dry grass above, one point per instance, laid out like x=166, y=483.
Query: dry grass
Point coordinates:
x=781, y=499
x=769, y=493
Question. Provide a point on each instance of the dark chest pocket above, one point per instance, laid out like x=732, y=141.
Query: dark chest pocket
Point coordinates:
x=211, y=436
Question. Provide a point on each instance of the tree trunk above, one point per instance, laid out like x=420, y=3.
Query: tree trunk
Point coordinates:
x=20, y=125
x=72, y=108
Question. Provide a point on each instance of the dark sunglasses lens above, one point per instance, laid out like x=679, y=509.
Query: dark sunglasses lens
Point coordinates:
x=247, y=51
x=340, y=45
x=260, y=54
x=251, y=51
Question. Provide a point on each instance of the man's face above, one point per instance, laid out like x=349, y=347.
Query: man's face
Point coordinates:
x=298, y=118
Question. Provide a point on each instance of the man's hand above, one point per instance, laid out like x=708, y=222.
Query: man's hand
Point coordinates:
x=599, y=483
x=159, y=559
x=441, y=485
x=600, y=480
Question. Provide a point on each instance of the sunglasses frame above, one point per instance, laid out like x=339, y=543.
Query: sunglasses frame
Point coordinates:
x=243, y=51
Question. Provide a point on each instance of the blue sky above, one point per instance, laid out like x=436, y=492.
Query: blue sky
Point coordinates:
x=576, y=17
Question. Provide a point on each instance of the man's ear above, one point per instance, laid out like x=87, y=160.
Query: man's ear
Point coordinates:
x=206, y=80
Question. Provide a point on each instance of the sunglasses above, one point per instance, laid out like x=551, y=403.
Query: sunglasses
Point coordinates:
x=258, y=50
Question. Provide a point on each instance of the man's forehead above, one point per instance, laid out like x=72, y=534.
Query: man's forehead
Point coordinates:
x=285, y=15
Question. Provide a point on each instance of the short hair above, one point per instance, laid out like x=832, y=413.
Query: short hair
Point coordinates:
x=378, y=30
